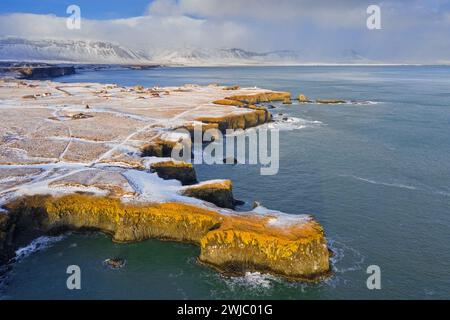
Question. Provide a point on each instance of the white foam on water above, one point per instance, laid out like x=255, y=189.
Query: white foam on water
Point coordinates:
x=287, y=123
x=365, y=102
x=37, y=244
x=253, y=280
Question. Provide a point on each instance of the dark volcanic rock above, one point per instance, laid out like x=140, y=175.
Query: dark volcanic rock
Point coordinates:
x=46, y=72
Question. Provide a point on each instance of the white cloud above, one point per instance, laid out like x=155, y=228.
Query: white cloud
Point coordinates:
x=411, y=30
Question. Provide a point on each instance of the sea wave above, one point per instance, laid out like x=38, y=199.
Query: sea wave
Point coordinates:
x=37, y=244
x=253, y=280
x=287, y=123
x=363, y=102
x=344, y=259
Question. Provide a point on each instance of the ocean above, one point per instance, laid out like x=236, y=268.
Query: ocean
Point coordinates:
x=375, y=173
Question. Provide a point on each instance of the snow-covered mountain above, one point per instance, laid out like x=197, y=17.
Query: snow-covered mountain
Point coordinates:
x=19, y=49
x=227, y=56
x=82, y=51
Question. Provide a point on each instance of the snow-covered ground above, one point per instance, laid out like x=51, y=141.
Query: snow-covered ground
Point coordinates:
x=60, y=138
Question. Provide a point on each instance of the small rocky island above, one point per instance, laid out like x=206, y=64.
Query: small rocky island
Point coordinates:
x=87, y=156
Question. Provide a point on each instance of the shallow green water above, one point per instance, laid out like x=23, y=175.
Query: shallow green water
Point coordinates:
x=377, y=176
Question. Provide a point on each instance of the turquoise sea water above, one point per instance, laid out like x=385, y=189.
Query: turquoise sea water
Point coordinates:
x=376, y=175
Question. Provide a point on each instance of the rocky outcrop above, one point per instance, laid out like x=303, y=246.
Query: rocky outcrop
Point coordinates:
x=190, y=127
x=251, y=243
x=243, y=120
x=6, y=249
x=124, y=222
x=287, y=101
x=229, y=102
x=158, y=148
x=303, y=99
x=218, y=192
x=178, y=170
x=231, y=243
x=45, y=72
x=261, y=97
x=235, y=87
x=330, y=101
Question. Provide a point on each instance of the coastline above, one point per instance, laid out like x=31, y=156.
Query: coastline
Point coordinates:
x=88, y=148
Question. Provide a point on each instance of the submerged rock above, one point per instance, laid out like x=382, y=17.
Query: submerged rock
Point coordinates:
x=219, y=192
x=178, y=170
x=115, y=263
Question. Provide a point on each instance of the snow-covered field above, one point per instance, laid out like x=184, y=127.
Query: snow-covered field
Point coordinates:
x=61, y=138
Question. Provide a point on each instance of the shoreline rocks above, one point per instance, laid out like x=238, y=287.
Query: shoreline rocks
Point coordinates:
x=255, y=117
x=96, y=179
x=219, y=192
x=303, y=99
x=330, y=101
x=182, y=171
x=231, y=243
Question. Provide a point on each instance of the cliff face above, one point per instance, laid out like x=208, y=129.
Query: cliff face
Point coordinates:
x=246, y=120
x=231, y=243
x=182, y=171
x=260, y=97
x=124, y=222
x=245, y=243
x=218, y=192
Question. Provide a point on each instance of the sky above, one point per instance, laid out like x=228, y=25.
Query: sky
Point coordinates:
x=412, y=31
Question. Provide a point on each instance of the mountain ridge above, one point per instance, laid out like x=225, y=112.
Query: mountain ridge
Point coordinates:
x=94, y=51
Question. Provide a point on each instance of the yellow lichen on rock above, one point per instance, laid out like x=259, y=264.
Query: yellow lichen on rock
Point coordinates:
x=250, y=243
x=242, y=120
x=261, y=97
x=124, y=221
x=231, y=243
x=302, y=98
x=229, y=102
